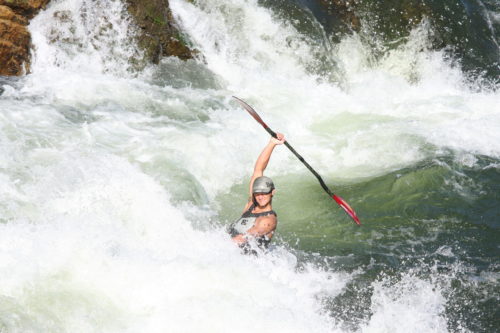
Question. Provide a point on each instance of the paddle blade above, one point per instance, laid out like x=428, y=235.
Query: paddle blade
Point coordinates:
x=250, y=110
x=342, y=203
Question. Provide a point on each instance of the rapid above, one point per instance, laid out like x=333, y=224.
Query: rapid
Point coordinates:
x=116, y=185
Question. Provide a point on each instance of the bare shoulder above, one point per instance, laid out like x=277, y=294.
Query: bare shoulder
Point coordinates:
x=268, y=222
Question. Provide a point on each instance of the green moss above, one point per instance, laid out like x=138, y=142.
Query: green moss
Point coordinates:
x=180, y=37
x=157, y=19
x=158, y=35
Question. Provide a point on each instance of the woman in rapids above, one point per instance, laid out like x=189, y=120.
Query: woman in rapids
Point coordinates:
x=257, y=224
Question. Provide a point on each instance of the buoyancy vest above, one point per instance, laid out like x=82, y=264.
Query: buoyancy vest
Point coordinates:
x=247, y=221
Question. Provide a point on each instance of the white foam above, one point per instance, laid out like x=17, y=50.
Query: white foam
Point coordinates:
x=104, y=250
x=409, y=305
x=411, y=96
x=83, y=36
x=91, y=159
x=94, y=244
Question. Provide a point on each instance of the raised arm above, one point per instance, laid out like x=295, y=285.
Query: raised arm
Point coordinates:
x=263, y=159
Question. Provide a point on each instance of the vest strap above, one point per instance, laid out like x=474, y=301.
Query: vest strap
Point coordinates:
x=249, y=213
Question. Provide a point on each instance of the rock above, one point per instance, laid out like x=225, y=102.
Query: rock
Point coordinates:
x=14, y=33
x=345, y=10
x=393, y=19
x=7, y=13
x=15, y=39
x=158, y=34
x=15, y=42
x=27, y=8
x=14, y=59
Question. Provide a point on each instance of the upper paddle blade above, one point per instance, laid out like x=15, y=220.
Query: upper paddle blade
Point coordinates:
x=250, y=110
x=339, y=200
x=342, y=203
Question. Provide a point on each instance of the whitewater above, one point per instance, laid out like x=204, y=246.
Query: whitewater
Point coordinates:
x=116, y=184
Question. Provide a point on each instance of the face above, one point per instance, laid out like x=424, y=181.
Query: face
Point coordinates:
x=263, y=199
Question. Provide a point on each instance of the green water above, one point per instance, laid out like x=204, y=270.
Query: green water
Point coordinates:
x=115, y=188
x=437, y=220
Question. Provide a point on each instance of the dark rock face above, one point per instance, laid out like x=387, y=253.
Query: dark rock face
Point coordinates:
x=394, y=18
x=158, y=34
x=345, y=10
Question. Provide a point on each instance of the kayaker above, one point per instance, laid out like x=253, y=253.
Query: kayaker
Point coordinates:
x=257, y=224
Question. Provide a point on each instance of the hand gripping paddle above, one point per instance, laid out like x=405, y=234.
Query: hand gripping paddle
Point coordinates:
x=341, y=202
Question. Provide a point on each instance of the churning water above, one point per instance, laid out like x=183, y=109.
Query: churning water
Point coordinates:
x=116, y=184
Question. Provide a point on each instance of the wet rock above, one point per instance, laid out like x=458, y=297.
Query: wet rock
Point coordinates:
x=394, y=18
x=15, y=43
x=15, y=39
x=6, y=13
x=345, y=10
x=26, y=8
x=158, y=34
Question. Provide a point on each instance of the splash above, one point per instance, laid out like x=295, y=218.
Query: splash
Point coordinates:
x=115, y=188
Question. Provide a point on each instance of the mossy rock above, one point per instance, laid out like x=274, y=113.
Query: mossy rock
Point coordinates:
x=158, y=34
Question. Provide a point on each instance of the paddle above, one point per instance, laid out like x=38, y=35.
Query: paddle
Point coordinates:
x=341, y=202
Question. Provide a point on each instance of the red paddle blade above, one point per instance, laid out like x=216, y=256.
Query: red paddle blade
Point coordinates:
x=250, y=110
x=342, y=203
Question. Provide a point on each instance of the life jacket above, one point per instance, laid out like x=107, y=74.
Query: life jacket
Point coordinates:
x=247, y=221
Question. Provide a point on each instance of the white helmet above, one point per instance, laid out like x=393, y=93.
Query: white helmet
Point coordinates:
x=262, y=185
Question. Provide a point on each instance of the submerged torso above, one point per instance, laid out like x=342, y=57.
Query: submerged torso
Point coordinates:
x=247, y=221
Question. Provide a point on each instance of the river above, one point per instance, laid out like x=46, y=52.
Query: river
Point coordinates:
x=116, y=185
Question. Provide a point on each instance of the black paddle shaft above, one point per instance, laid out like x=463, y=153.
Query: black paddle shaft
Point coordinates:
x=321, y=182
x=341, y=202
